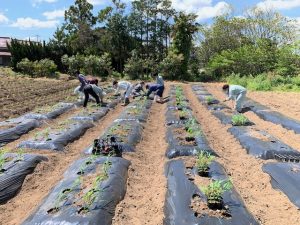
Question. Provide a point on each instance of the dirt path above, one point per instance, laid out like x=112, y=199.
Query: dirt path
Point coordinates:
x=269, y=206
x=46, y=175
x=146, y=186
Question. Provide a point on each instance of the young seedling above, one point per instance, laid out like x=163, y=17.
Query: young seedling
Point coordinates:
x=203, y=161
x=20, y=154
x=214, y=192
x=239, y=120
x=183, y=114
x=2, y=159
x=209, y=100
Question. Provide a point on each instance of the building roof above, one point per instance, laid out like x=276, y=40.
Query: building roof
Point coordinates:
x=5, y=54
x=3, y=42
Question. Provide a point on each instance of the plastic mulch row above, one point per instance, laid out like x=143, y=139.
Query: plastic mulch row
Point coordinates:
x=28, y=122
x=265, y=149
x=14, y=171
x=285, y=177
x=58, y=140
x=275, y=117
x=71, y=202
x=180, y=191
x=175, y=149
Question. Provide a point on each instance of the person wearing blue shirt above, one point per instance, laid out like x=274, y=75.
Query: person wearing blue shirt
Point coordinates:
x=236, y=93
x=158, y=89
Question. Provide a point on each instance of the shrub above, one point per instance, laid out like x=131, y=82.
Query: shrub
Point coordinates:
x=239, y=120
x=42, y=68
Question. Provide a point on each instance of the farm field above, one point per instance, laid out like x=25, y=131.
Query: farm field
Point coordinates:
x=50, y=173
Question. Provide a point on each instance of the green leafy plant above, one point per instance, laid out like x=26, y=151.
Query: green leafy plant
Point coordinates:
x=239, y=120
x=215, y=190
x=20, y=154
x=203, y=161
x=2, y=158
x=183, y=114
x=209, y=100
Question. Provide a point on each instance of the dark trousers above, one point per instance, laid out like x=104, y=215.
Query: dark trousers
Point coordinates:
x=88, y=90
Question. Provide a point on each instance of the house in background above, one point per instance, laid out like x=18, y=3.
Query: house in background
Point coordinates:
x=5, y=55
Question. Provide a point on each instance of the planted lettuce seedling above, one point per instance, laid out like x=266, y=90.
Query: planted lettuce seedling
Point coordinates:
x=239, y=120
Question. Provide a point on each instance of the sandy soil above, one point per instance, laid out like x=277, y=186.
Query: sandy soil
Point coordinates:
x=269, y=206
x=47, y=174
x=146, y=186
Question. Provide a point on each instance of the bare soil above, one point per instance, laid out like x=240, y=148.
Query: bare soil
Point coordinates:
x=20, y=95
x=269, y=206
x=146, y=186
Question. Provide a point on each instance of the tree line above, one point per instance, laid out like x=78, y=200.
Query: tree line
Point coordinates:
x=150, y=36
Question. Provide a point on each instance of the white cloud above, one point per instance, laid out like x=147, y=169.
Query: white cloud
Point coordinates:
x=97, y=2
x=36, y=2
x=26, y=23
x=278, y=4
x=50, y=15
x=3, y=18
x=204, y=9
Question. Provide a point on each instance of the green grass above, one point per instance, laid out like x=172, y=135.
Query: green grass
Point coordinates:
x=266, y=82
x=239, y=120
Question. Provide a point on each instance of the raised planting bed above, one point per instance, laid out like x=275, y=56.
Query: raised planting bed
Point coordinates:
x=186, y=204
x=14, y=167
x=92, y=113
x=257, y=143
x=138, y=110
x=13, y=129
x=56, y=138
x=275, y=117
x=88, y=193
x=286, y=178
x=49, y=112
x=184, y=133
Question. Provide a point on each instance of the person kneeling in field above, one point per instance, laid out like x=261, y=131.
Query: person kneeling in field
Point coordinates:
x=87, y=89
x=236, y=93
x=126, y=86
x=137, y=89
x=158, y=89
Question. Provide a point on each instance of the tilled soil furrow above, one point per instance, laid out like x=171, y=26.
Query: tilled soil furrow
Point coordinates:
x=46, y=175
x=146, y=186
x=268, y=205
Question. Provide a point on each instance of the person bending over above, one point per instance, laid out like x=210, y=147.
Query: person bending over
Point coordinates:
x=236, y=93
x=87, y=89
x=158, y=89
x=126, y=86
x=137, y=89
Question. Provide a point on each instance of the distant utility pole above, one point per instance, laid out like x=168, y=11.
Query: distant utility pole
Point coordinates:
x=37, y=37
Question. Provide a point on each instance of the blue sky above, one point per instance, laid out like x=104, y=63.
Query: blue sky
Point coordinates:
x=39, y=18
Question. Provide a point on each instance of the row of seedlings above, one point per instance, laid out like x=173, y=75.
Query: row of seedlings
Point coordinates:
x=198, y=190
x=12, y=129
x=14, y=167
x=95, y=184
x=56, y=137
x=284, y=174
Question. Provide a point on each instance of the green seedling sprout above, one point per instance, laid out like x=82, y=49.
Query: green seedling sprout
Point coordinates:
x=203, y=161
x=239, y=120
x=20, y=154
x=216, y=189
x=209, y=99
x=2, y=158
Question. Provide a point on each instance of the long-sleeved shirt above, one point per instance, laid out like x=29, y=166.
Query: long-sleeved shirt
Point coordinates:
x=123, y=85
x=82, y=80
x=138, y=88
x=160, y=80
x=152, y=88
x=234, y=91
